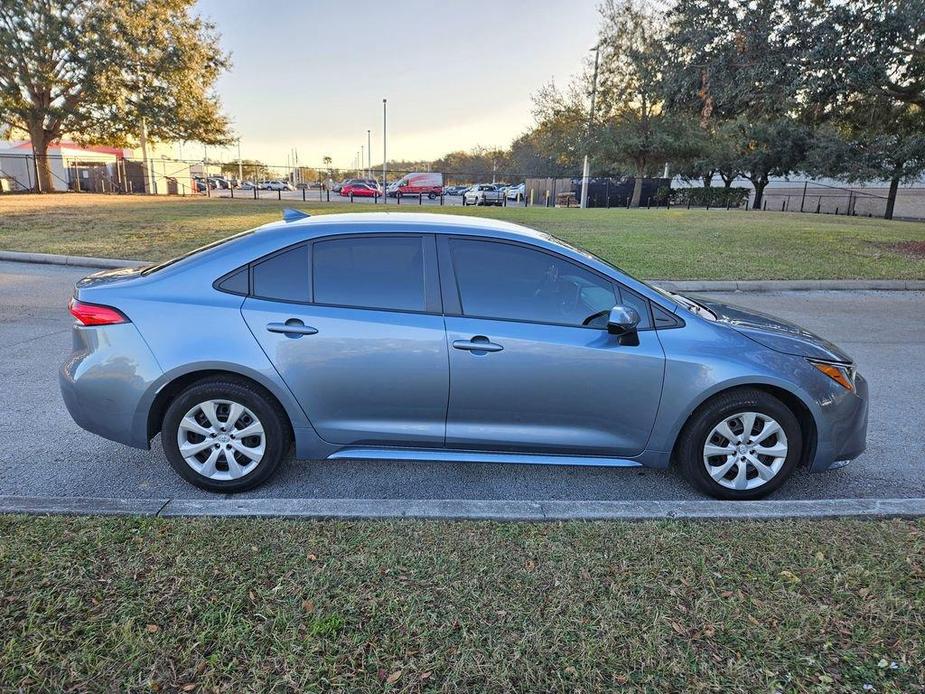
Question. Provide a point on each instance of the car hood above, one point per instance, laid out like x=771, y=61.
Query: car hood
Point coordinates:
x=774, y=333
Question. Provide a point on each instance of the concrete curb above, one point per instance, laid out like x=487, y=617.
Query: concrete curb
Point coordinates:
x=465, y=509
x=674, y=285
x=72, y=260
x=80, y=506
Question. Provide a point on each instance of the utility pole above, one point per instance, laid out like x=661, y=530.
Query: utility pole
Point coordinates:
x=586, y=171
x=146, y=165
x=362, y=159
x=384, y=160
x=240, y=172
x=369, y=155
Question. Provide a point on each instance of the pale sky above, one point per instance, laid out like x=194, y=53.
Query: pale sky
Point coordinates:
x=312, y=75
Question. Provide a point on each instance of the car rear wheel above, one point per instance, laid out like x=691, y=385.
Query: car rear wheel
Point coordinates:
x=224, y=435
x=740, y=445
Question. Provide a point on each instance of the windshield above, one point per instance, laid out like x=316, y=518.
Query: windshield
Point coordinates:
x=196, y=251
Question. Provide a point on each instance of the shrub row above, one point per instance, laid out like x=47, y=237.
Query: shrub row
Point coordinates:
x=709, y=197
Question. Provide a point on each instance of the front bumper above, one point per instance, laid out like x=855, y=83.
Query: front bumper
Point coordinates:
x=842, y=428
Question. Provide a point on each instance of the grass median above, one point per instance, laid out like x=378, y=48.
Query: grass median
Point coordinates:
x=127, y=604
x=654, y=244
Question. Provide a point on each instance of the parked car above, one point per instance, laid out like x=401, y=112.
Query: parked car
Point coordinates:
x=360, y=190
x=219, y=183
x=247, y=185
x=455, y=190
x=483, y=194
x=428, y=183
x=353, y=181
x=515, y=192
x=433, y=337
x=279, y=185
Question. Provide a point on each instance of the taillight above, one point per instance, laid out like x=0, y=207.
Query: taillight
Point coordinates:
x=95, y=314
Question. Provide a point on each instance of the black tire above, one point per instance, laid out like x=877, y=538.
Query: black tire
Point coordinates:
x=277, y=436
x=693, y=438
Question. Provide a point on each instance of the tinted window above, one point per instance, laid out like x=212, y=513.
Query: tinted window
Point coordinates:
x=664, y=318
x=499, y=280
x=283, y=276
x=237, y=282
x=383, y=273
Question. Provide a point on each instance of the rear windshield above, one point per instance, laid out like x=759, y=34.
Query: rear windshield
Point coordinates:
x=197, y=251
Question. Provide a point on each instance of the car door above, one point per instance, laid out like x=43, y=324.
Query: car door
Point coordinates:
x=353, y=326
x=532, y=366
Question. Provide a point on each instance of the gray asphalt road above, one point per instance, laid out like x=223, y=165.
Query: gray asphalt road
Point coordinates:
x=43, y=453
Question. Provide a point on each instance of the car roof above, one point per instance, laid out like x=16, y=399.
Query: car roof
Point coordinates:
x=384, y=221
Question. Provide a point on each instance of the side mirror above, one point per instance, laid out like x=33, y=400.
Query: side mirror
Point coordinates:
x=622, y=320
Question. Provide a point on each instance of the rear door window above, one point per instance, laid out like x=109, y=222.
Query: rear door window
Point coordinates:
x=366, y=272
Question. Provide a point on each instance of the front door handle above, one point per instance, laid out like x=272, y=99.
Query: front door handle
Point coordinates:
x=478, y=345
x=292, y=328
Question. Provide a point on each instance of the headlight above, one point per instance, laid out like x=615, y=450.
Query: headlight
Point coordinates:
x=842, y=374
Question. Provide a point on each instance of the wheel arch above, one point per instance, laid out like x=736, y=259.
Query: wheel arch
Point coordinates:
x=175, y=384
x=794, y=402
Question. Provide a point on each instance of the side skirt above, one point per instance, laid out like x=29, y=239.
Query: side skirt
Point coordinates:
x=456, y=456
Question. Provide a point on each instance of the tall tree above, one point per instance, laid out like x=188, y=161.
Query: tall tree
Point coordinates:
x=873, y=138
x=867, y=93
x=634, y=126
x=740, y=68
x=873, y=47
x=769, y=148
x=108, y=71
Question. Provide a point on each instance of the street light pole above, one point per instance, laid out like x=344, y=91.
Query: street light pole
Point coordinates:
x=240, y=172
x=586, y=170
x=369, y=154
x=384, y=196
x=362, y=159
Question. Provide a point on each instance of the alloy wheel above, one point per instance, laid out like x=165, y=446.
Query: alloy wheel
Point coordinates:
x=221, y=440
x=745, y=450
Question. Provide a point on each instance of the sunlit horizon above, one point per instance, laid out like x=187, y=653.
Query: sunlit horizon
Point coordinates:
x=309, y=78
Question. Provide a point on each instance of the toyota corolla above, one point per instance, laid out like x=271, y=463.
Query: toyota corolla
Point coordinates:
x=437, y=337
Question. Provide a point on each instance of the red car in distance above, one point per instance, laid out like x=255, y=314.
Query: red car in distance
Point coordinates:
x=359, y=190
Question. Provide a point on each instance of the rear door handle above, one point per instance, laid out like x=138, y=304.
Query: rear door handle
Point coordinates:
x=478, y=344
x=292, y=327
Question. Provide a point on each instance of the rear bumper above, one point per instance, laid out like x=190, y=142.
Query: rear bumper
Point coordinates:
x=843, y=429
x=105, y=380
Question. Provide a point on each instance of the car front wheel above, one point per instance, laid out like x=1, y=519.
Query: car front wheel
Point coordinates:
x=742, y=444
x=224, y=435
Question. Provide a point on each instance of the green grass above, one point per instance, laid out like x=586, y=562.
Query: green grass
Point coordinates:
x=127, y=604
x=674, y=244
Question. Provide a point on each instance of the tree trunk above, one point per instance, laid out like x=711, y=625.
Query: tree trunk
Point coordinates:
x=759, y=185
x=891, y=196
x=707, y=179
x=42, y=165
x=637, y=186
